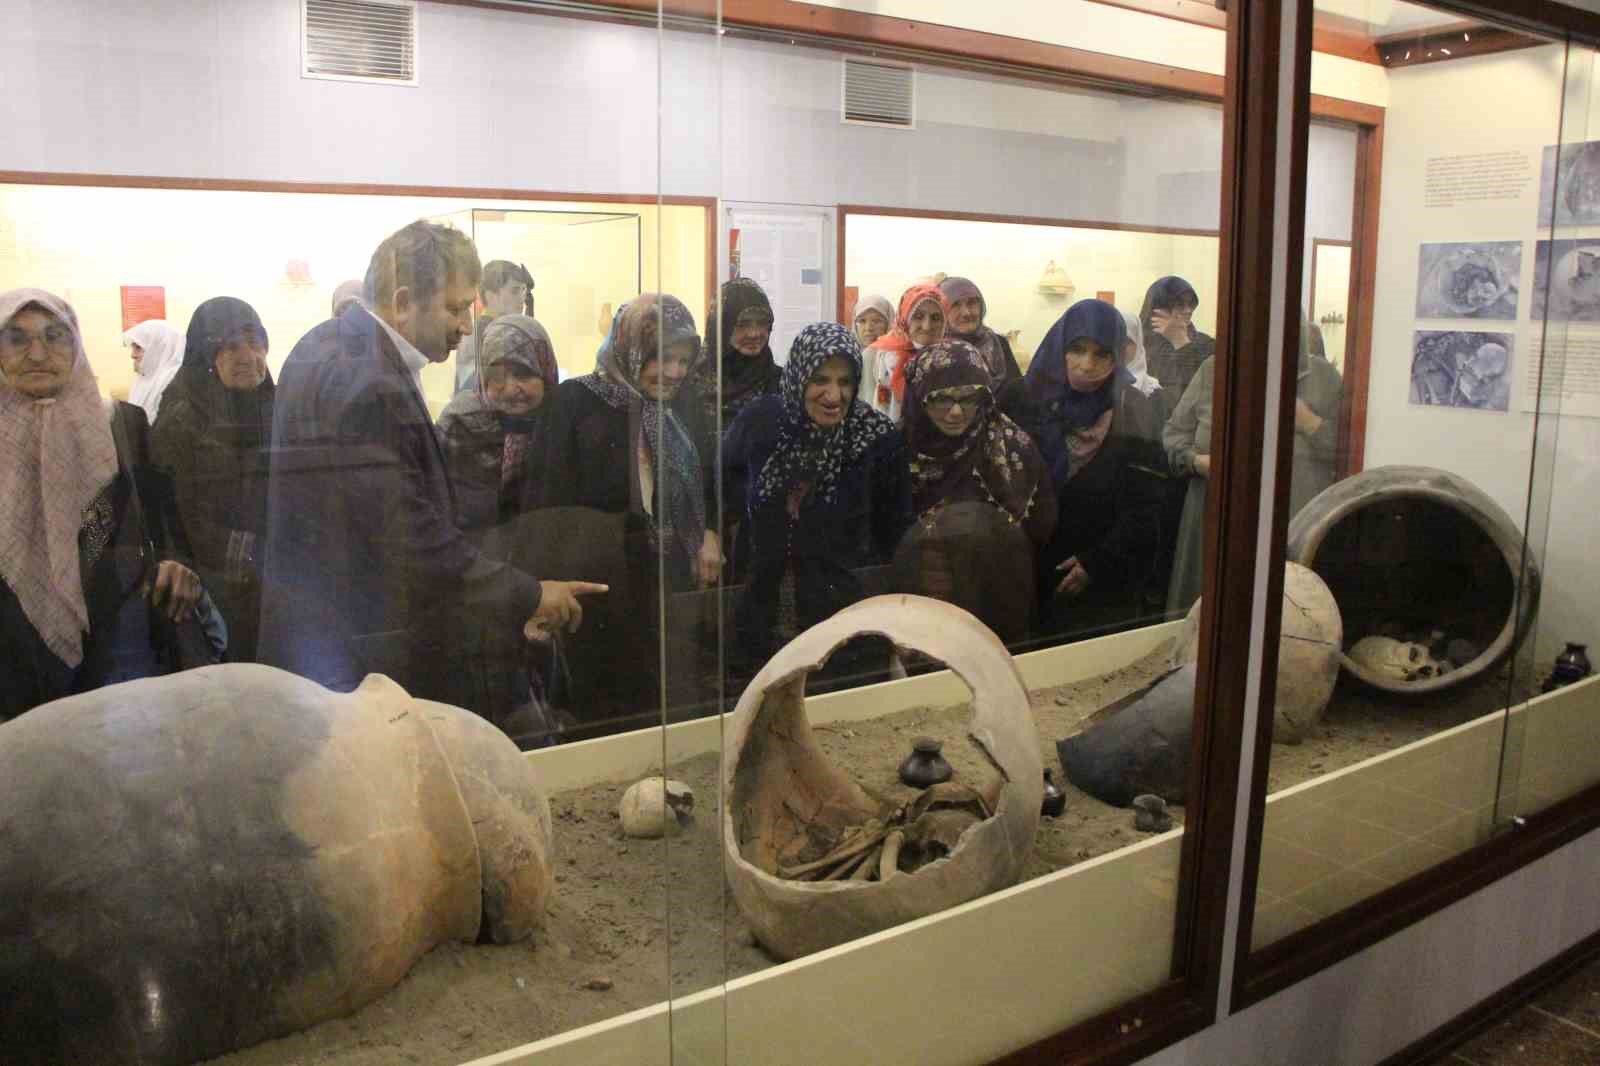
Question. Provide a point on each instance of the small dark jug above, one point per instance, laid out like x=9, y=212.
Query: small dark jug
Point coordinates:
x=925, y=766
x=1571, y=665
x=1055, y=800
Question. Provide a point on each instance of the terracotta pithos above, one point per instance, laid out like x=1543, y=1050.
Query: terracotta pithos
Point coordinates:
x=195, y=863
x=1502, y=560
x=1310, y=639
x=778, y=783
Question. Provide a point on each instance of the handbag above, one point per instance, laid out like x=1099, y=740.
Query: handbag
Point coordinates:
x=201, y=639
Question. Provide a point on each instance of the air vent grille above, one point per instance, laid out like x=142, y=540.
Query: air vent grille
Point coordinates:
x=879, y=93
x=360, y=40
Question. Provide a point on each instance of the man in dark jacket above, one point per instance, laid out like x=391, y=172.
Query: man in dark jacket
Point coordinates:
x=366, y=567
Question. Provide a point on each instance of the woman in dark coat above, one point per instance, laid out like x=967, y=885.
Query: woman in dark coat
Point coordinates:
x=1100, y=439
x=1173, y=346
x=826, y=493
x=494, y=433
x=738, y=368
x=968, y=311
x=213, y=437
x=617, y=445
x=89, y=537
x=979, y=489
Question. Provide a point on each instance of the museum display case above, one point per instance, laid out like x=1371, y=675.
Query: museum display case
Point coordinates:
x=1090, y=536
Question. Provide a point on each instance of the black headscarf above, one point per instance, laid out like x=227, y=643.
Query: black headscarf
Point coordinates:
x=743, y=377
x=1164, y=294
x=242, y=418
x=1063, y=410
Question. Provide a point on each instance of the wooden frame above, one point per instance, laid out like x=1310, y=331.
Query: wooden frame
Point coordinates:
x=146, y=181
x=1324, y=39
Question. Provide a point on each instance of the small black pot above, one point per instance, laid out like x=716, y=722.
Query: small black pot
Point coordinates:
x=1055, y=800
x=1571, y=665
x=925, y=766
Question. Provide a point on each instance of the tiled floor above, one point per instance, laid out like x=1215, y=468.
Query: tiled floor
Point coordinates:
x=1560, y=1027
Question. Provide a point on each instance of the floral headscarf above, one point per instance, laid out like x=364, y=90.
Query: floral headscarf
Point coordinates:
x=807, y=454
x=59, y=457
x=522, y=341
x=163, y=356
x=897, y=348
x=994, y=451
x=641, y=330
x=988, y=343
x=743, y=378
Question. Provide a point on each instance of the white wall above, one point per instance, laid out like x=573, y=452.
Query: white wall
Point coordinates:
x=1509, y=101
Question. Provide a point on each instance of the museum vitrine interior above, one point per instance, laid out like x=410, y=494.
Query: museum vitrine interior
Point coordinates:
x=699, y=548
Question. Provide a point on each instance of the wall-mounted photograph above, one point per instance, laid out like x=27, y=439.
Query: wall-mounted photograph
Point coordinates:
x=1566, y=280
x=1574, y=192
x=1469, y=280
x=1456, y=368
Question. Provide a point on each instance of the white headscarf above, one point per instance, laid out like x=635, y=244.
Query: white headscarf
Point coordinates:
x=873, y=302
x=1139, y=366
x=58, y=454
x=163, y=357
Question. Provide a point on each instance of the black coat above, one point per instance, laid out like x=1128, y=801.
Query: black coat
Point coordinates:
x=366, y=566
x=1108, y=516
x=474, y=443
x=830, y=541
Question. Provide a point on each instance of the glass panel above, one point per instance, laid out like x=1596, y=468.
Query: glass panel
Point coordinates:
x=1550, y=740
x=1407, y=590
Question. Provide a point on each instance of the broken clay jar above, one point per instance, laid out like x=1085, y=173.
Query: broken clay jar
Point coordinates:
x=782, y=789
x=1424, y=546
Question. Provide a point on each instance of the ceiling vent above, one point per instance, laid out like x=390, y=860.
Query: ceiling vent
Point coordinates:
x=878, y=93
x=359, y=40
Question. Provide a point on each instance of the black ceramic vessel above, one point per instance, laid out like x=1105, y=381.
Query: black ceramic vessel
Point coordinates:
x=1571, y=665
x=1055, y=800
x=925, y=766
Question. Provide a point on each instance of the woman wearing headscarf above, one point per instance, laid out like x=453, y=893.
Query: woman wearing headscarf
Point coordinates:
x=493, y=433
x=157, y=349
x=826, y=492
x=872, y=317
x=921, y=322
x=214, y=438
x=90, y=548
x=744, y=369
x=1100, y=440
x=1174, y=347
x=979, y=489
x=1136, y=361
x=968, y=310
x=617, y=445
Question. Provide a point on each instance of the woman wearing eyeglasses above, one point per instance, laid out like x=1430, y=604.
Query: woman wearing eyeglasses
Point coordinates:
x=90, y=548
x=979, y=488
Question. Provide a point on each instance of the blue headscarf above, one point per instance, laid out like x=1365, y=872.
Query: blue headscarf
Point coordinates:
x=1061, y=408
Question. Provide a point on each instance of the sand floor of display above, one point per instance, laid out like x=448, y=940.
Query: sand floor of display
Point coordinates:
x=627, y=912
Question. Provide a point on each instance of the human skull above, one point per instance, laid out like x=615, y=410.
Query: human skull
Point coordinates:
x=1396, y=660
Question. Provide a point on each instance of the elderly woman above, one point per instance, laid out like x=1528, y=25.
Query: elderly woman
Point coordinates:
x=616, y=444
x=1100, y=439
x=968, y=309
x=494, y=433
x=979, y=488
x=743, y=369
x=871, y=319
x=157, y=351
x=824, y=482
x=214, y=438
x=90, y=578
x=923, y=317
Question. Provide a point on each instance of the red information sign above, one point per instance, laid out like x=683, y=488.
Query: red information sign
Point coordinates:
x=141, y=303
x=1107, y=295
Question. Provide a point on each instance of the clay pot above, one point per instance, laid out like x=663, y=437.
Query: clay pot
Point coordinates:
x=1571, y=665
x=779, y=784
x=1422, y=545
x=229, y=854
x=925, y=766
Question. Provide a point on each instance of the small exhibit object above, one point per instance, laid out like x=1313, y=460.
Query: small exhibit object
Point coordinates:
x=1150, y=814
x=656, y=807
x=1055, y=800
x=1571, y=665
x=925, y=766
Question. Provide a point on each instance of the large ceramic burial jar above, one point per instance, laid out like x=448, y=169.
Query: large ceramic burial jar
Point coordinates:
x=1420, y=548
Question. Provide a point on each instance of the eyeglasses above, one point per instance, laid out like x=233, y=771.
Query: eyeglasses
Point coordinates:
x=943, y=402
x=57, y=338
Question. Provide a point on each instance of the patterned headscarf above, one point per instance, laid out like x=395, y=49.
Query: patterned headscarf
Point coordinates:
x=743, y=378
x=806, y=453
x=641, y=330
x=163, y=356
x=897, y=346
x=994, y=451
x=59, y=456
x=522, y=341
x=988, y=343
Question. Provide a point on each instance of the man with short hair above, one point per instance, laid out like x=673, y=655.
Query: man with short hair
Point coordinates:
x=348, y=292
x=506, y=289
x=365, y=564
